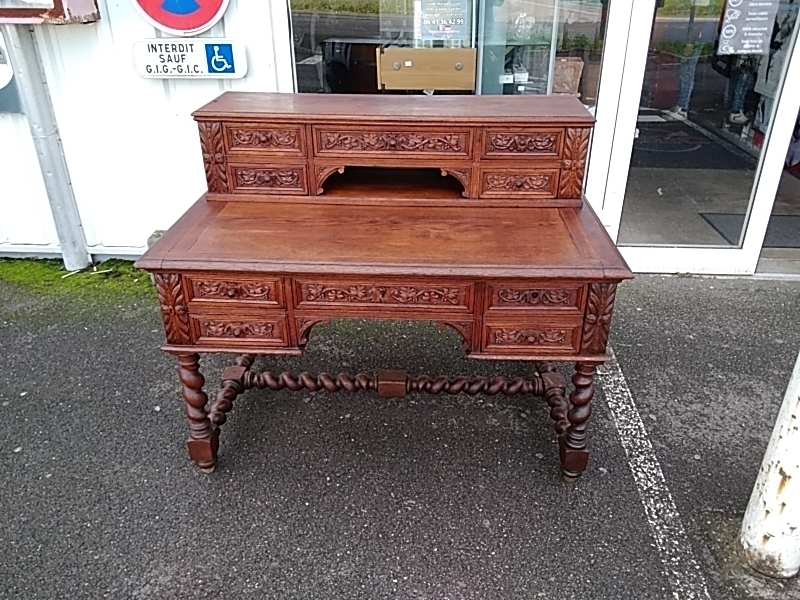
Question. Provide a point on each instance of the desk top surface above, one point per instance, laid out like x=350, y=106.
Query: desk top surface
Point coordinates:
x=390, y=240
x=480, y=110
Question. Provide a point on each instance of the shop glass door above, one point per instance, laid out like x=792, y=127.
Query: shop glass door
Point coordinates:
x=717, y=108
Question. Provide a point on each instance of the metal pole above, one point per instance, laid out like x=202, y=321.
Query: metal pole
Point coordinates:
x=553, y=44
x=770, y=535
x=35, y=100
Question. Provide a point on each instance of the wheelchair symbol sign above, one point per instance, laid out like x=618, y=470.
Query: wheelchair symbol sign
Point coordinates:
x=220, y=58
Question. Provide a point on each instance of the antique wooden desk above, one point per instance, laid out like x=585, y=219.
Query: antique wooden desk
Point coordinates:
x=463, y=210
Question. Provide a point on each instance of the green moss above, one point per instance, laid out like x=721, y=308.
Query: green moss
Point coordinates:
x=112, y=279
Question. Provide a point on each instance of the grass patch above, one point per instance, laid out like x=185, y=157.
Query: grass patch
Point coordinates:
x=362, y=7
x=683, y=7
x=112, y=279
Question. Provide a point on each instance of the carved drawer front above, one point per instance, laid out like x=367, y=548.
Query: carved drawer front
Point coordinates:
x=277, y=179
x=563, y=299
x=523, y=142
x=266, y=291
x=260, y=138
x=519, y=183
x=453, y=297
x=237, y=330
x=528, y=336
x=391, y=141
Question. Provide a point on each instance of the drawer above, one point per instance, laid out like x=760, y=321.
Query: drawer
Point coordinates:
x=237, y=330
x=529, y=336
x=548, y=298
x=278, y=179
x=261, y=291
x=258, y=138
x=452, y=297
x=519, y=183
x=392, y=141
x=523, y=142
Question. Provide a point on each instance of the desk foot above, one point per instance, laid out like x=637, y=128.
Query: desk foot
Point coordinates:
x=573, y=461
x=203, y=436
x=573, y=443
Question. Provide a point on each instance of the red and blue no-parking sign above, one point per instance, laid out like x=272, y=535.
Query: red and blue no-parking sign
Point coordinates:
x=182, y=17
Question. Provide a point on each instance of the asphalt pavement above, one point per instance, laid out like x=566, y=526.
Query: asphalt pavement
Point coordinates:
x=337, y=496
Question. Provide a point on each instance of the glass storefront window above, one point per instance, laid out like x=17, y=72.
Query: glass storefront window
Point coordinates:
x=712, y=81
x=449, y=46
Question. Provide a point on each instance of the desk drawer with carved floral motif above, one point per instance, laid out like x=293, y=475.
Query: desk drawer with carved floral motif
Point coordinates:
x=277, y=178
x=520, y=183
x=225, y=329
x=263, y=139
x=523, y=143
x=390, y=141
x=524, y=336
x=243, y=290
x=380, y=295
x=535, y=297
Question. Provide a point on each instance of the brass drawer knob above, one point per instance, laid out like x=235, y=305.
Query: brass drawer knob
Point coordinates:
x=518, y=183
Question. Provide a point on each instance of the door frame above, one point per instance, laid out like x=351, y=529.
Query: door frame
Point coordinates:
x=695, y=259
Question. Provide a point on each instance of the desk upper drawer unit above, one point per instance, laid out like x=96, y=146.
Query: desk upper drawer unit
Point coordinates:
x=454, y=297
x=567, y=298
x=519, y=183
x=389, y=141
x=262, y=291
x=262, y=139
x=238, y=330
x=523, y=143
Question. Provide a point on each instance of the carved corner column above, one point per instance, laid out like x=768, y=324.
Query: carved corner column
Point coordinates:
x=573, y=166
x=214, y=161
x=203, y=439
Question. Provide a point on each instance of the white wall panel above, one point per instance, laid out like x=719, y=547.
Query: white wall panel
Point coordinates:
x=131, y=145
x=25, y=218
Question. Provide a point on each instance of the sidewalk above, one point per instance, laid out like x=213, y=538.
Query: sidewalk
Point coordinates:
x=334, y=496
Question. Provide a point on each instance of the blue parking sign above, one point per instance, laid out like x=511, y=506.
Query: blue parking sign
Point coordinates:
x=220, y=58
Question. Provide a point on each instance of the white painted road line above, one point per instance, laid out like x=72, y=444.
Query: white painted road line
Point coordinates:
x=680, y=566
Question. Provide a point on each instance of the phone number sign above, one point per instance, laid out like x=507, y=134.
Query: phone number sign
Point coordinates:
x=200, y=58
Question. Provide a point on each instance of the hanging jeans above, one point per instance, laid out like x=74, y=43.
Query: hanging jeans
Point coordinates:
x=686, y=80
x=739, y=85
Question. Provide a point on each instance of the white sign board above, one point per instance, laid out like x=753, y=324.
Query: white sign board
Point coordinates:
x=747, y=26
x=198, y=58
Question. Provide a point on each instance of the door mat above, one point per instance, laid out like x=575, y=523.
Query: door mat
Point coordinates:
x=676, y=145
x=783, y=231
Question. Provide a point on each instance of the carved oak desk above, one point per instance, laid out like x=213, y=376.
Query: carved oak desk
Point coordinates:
x=462, y=210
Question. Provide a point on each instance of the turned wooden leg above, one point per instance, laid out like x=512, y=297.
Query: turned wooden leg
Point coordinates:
x=573, y=444
x=203, y=437
x=555, y=391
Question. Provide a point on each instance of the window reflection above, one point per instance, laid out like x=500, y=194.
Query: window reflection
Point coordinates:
x=517, y=46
